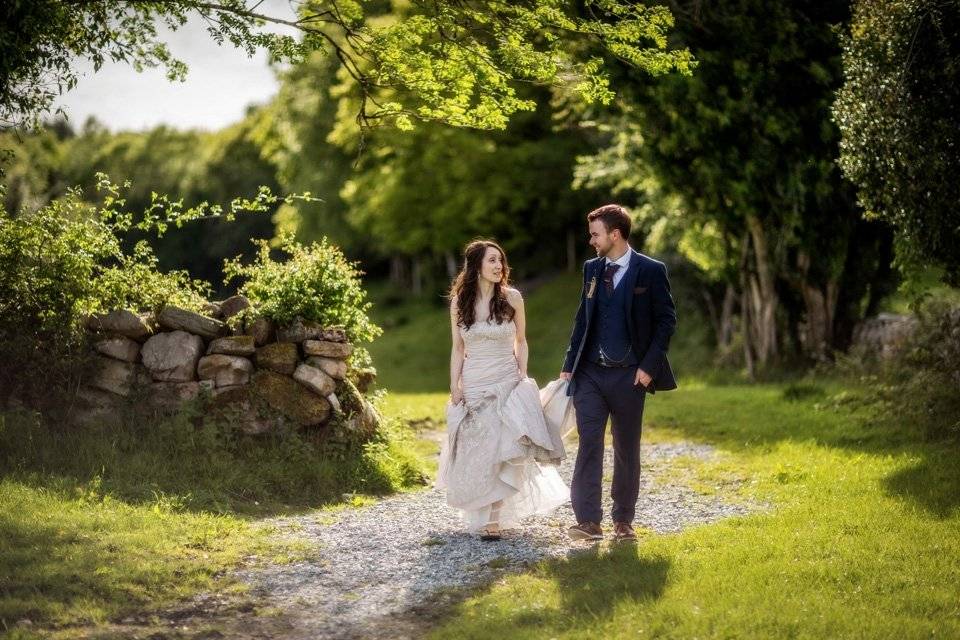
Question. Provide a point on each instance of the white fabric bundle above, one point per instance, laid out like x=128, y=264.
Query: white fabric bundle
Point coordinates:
x=558, y=411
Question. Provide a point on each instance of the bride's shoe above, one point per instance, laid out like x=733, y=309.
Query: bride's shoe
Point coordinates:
x=491, y=532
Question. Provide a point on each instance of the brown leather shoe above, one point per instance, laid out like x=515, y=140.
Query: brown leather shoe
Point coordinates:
x=585, y=531
x=623, y=532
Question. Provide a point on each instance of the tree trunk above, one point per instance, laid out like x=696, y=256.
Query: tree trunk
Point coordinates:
x=816, y=333
x=398, y=271
x=451, y=264
x=416, y=276
x=763, y=295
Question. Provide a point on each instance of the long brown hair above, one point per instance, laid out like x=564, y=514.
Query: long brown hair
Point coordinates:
x=466, y=286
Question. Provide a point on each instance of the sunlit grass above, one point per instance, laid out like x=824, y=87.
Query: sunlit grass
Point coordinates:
x=862, y=538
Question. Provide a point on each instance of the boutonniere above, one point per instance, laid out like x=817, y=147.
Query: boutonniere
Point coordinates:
x=593, y=287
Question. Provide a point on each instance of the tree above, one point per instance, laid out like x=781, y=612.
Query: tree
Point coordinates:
x=899, y=115
x=748, y=144
x=445, y=60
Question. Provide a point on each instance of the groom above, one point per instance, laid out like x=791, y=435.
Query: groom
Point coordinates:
x=617, y=353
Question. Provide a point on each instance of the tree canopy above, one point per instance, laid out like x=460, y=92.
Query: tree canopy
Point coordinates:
x=444, y=60
x=899, y=113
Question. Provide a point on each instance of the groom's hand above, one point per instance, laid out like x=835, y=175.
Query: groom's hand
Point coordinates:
x=643, y=378
x=566, y=375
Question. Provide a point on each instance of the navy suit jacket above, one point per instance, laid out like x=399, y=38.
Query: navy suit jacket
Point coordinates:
x=651, y=316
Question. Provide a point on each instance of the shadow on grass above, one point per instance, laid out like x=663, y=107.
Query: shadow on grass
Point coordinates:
x=830, y=414
x=593, y=582
x=47, y=559
x=591, y=585
x=933, y=484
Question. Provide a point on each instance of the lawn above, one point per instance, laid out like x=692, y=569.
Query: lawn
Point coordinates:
x=861, y=538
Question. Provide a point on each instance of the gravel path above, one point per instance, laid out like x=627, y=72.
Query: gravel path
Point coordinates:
x=379, y=563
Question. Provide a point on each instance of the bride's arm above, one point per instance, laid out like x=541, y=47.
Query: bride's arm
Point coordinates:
x=520, y=347
x=456, y=356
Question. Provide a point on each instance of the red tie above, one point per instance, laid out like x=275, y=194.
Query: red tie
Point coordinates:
x=608, y=276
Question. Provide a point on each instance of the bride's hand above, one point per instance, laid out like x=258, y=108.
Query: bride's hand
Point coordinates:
x=456, y=397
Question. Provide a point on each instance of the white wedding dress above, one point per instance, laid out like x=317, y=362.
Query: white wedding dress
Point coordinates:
x=497, y=438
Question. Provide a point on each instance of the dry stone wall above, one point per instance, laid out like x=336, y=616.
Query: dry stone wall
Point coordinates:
x=258, y=375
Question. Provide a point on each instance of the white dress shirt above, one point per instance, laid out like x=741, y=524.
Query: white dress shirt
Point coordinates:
x=623, y=261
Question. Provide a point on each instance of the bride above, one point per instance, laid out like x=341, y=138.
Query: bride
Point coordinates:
x=496, y=433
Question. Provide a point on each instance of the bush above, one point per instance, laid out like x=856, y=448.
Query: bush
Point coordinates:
x=316, y=284
x=58, y=264
x=926, y=373
x=66, y=260
x=919, y=387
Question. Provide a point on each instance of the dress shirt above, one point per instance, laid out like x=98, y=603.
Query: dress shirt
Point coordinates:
x=623, y=262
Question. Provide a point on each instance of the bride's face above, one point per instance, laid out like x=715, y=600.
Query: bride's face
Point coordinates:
x=491, y=269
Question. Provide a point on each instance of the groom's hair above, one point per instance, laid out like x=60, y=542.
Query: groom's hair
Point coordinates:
x=613, y=216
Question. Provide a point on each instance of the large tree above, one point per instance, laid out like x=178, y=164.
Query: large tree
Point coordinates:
x=748, y=145
x=899, y=113
x=446, y=60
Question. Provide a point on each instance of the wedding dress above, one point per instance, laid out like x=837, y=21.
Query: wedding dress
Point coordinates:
x=497, y=438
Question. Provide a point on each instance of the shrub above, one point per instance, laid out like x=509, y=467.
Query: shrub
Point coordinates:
x=67, y=259
x=316, y=283
x=926, y=373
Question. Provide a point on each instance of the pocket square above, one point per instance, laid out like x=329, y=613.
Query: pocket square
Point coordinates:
x=639, y=290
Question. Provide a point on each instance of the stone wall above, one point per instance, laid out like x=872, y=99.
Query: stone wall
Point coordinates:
x=884, y=334
x=257, y=375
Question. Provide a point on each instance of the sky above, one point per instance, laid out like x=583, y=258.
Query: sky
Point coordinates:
x=221, y=83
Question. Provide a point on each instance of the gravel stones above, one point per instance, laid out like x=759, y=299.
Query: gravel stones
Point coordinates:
x=376, y=563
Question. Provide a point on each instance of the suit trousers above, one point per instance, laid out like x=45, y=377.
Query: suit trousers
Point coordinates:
x=603, y=393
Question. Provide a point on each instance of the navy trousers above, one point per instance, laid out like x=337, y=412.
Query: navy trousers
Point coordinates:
x=603, y=393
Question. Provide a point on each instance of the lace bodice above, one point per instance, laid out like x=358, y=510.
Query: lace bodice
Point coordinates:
x=485, y=332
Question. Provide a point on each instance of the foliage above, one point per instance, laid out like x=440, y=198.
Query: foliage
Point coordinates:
x=315, y=283
x=897, y=111
x=66, y=260
x=444, y=60
x=747, y=143
x=924, y=379
x=198, y=166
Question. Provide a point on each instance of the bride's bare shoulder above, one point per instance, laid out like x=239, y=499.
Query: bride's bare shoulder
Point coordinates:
x=512, y=294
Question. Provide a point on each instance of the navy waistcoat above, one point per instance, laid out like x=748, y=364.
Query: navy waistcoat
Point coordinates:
x=609, y=329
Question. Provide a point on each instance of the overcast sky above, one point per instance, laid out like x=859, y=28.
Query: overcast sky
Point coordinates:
x=221, y=83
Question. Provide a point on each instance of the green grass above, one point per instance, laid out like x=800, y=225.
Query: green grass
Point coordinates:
x=71, y=556
x=99, y=523
x=861, y=539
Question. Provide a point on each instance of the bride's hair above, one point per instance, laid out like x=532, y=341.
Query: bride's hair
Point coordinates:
x=466, y=286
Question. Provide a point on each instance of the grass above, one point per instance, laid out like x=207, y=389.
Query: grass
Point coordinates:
x=96, y=524
x=862, y=538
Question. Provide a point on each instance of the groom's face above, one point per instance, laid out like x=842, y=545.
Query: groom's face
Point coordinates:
x=600, y=238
